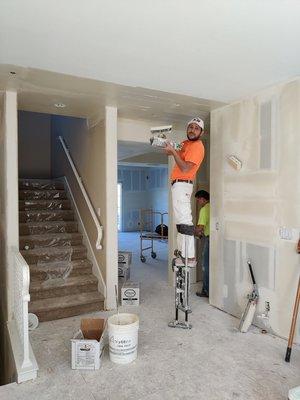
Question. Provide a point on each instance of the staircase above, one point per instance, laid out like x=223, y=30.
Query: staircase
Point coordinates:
x=61, y=279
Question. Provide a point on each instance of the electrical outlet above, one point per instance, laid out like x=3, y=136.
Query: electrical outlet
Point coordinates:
x=99, y=212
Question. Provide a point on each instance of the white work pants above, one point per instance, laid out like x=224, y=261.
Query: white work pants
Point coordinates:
x=181, y=199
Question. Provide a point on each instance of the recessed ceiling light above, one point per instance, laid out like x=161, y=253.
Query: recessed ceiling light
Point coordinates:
x=59, y=105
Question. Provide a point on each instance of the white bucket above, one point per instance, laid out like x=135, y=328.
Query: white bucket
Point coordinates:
x=294, y=394
x=123, y=337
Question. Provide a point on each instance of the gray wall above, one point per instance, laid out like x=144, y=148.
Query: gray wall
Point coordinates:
x=34, y=141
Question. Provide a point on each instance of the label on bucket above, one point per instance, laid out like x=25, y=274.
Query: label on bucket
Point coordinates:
x=123, y=346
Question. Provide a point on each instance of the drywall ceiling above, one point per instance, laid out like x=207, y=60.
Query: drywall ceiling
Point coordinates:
x=39, y=90
x=211, y=49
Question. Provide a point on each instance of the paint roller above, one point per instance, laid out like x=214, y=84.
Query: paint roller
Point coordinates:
x=248, y=314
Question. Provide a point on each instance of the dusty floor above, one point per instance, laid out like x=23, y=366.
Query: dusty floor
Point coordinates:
x=212, y=361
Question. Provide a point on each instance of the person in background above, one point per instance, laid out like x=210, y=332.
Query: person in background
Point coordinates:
x=187, y=162
x=202, y=230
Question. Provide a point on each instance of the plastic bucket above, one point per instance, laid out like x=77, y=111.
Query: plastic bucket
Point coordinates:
x=294, y=394
x=123, y=337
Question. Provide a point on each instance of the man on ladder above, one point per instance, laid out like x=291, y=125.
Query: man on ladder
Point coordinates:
x=187, y=162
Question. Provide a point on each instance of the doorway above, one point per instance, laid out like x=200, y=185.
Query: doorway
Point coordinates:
x=142, y=207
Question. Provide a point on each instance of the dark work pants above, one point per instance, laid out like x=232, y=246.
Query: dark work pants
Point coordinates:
x=205, y=265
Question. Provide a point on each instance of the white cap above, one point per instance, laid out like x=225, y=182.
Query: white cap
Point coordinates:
x=197, y=121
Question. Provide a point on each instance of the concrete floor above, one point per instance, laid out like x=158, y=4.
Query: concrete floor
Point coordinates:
x=212, y=361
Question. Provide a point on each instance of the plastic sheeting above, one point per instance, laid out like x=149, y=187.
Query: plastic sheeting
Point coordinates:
x=48, y=227
x=34, y=241
x=27, y=205
x=40, y=184
x=42, y=194
x=42, y=216
x=57, y=271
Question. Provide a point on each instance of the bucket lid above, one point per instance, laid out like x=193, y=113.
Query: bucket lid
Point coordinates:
x=123, y=319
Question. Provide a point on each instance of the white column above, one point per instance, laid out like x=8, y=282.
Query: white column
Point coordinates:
x=11, y=187
x=172, y=232
x=111, y=231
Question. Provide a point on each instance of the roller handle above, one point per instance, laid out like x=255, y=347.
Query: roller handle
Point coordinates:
x=251, y=273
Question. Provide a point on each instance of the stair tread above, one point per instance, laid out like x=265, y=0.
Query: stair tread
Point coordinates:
x=56, y=249
x=44, y=203
x=83, y=263
x=42, y=223
x=46, y=215
x=72, y=300
x=46, y=210
x=70, y=281
x=77, y=265
x=61, y=235
x=46, y=194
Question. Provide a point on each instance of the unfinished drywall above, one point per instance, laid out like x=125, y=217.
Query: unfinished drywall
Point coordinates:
x=9, y=234
x=142, y=188
x=34, y=130
x=256, y=210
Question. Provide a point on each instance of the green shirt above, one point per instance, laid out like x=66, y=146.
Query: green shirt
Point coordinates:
x=204, y=218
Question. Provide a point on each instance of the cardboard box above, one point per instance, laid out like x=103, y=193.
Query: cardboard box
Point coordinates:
x=124, y=257
x=124, y=271
x=130, y=294
x=87, y=344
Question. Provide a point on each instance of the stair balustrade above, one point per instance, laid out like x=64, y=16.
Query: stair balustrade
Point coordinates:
x=26, y=366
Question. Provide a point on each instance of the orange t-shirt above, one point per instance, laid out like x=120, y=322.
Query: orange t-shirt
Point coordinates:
x=192, y=152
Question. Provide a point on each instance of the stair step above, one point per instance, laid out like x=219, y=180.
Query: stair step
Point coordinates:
x=42, y=194
x=43, y=255
x=78, y=267
x=50, y=240
x=67, y=306
x=42, y=184
x=62, y=287
x=40, y=228
x=46, y=215
x=27, y=205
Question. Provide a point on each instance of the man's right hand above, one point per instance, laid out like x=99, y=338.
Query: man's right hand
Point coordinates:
x=168, y=149
x=199, y=231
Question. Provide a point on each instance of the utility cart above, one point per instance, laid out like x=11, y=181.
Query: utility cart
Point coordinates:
x=148, y=231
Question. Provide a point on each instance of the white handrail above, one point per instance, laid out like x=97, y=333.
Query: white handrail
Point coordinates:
x=21, y=299
x=85, y=195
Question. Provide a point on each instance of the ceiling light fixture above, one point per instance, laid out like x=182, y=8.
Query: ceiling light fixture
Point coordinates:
x=59, y=105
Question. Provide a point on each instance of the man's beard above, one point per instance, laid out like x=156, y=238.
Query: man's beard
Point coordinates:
x=194, y=139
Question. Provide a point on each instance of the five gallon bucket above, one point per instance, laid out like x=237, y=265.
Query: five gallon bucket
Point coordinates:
x=123, y=337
